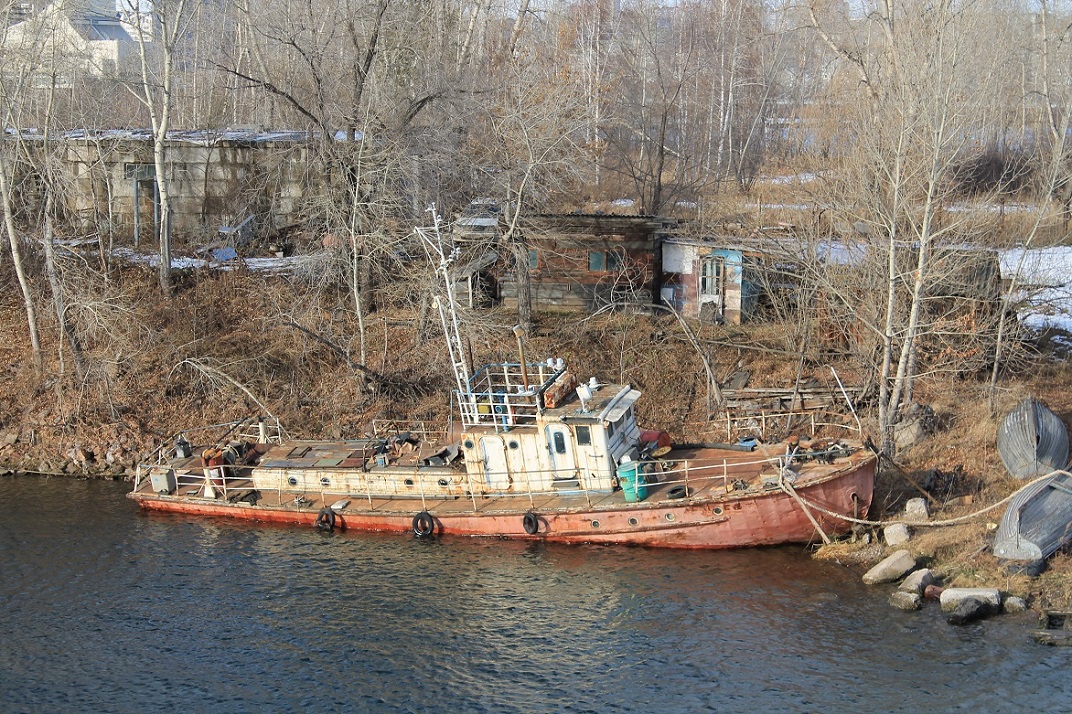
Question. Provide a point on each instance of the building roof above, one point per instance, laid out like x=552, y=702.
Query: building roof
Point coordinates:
x=204, y=137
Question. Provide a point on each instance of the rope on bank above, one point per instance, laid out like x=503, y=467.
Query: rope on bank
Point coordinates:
x=947, y=522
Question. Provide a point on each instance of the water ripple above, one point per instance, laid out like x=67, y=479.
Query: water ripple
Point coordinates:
x=108, y=609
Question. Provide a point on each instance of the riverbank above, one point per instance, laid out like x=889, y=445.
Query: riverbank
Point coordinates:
x=228, y=345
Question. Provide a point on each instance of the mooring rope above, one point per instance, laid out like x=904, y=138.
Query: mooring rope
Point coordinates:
x=947, y=522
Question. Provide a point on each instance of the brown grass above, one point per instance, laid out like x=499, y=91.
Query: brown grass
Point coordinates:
x=139, y=392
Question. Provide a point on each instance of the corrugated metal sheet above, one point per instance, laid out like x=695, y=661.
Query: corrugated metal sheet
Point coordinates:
x=1032, y=440
x=1037, y=521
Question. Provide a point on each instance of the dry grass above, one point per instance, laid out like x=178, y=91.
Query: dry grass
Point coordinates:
x=140, y=391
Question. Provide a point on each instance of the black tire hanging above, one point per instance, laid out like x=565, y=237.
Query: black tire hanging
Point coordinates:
x=325, y=519
x=423, y=524
x=531, y=523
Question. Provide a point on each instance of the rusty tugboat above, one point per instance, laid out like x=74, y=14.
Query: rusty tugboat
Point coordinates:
x=539, y=455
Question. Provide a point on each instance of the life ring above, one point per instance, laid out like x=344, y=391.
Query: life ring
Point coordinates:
x=325, y=519
x=531, y=523
x=423, y=524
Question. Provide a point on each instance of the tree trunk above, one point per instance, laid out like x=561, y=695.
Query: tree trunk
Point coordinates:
x=20, y=272
x=524, y=284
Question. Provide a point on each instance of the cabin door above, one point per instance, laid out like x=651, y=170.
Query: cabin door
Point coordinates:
x=560, y=446
x=496, y=472
x=712, y=286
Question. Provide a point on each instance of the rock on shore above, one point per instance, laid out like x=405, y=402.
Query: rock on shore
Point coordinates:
x=895, y=567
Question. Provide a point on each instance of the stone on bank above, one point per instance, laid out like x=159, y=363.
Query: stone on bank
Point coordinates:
x=966, y=605
x=896, y=534
x=905, y=600
x=895, y=567
x=917, y=581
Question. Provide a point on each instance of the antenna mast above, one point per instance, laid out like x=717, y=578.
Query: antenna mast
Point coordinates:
x=442, y=258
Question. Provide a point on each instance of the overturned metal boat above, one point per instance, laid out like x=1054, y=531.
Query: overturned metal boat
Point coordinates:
x=1032, y=440
x=1037, y=521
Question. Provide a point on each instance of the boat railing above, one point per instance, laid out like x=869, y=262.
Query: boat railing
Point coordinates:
x=206, y=481
x=426, y=432
x=811, y=421
x=254, y=429
x=231, y=482
x=511, y=394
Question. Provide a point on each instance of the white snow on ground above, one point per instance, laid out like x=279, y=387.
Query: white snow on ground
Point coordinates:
x=805, y=177
x=256, y=265
x=991, y=208
x=1046, y=277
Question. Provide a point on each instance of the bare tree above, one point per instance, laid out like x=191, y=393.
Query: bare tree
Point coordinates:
x=892, y=186
x=158, y=49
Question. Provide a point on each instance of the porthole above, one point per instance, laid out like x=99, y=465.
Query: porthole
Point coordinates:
x=468, y=443
x=325, y=481
x=443, y=482
x=633, y=521
x=595, y=524
x=717, y=510
x=293, y=481
x=514, y=445
x=408, y=482
x=669, y=516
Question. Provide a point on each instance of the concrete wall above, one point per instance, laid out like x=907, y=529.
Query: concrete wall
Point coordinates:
x=212, y=184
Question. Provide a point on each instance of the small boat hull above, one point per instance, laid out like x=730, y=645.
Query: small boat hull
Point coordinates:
x=1037, y=521
x=1032, y=440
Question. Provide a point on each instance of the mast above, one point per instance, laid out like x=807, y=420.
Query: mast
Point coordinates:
x=441, y=257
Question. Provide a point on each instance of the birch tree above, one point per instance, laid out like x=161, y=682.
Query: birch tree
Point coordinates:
x=20, y=54
x=920, y=109
x=157, y=50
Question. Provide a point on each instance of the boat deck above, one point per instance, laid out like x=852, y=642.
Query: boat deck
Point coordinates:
x=691, y=474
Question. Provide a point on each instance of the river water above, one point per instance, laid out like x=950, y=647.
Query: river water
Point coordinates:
x=104, y=608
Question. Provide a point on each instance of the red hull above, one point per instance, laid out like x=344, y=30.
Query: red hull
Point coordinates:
x=752, y=519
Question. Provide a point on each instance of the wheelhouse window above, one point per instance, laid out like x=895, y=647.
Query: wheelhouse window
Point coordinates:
x=584, y=436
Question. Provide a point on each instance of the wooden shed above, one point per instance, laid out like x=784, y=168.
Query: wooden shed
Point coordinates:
x=587, y=262
x=709, y=279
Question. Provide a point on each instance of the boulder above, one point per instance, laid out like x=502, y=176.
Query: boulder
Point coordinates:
x=971, y=609
x=1013, y=605
x=952, y=597
x=908, y=433
x=892, y=568
x=917, y=581
x=916, y=510
x=896, y=534
x=904, y=600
